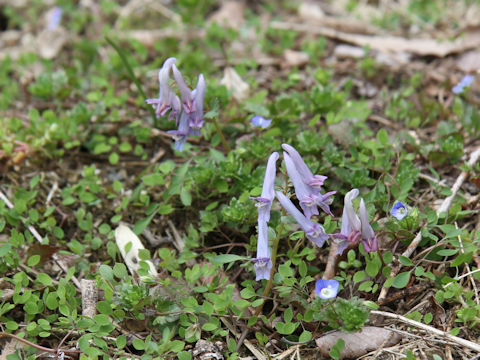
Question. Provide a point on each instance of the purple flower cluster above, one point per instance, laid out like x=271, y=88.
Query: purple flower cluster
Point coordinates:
x=308, y=190
x=186, y=110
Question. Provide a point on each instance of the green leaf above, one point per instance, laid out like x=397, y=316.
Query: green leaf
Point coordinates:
x=405, y=261
x=336, y=350
x=121, y=341
x=226, y=258
x=44, y=279
x=305, y=336
x=209, y=326
x=401, y=280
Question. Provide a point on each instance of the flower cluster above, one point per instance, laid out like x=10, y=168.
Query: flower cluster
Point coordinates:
x=186, y=110
x=308, y=190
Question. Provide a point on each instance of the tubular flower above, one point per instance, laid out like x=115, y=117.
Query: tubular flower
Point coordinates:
x=264, y=201
x=315, y=181
x=369, y=240
x=307, y=186
x=355, y=227
x=195, y=118
x=186, y=95
x=326, y=289
x=167, y=99
x=263, y=262
x=313, y=231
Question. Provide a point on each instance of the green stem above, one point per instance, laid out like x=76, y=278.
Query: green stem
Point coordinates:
x=132, y=76
x=220, y=134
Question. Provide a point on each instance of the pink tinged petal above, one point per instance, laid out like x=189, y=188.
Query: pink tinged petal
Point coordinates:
x=307, y=200
x=353, y=219
x=314, y=232
x=186, y=95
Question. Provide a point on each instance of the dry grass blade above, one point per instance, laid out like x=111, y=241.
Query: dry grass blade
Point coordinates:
x=455, y=339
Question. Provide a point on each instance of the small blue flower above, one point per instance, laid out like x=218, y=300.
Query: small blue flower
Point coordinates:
x=466, y=81
x=326, y=289
x=399, y=210
x=54, y=18
x=260, y=121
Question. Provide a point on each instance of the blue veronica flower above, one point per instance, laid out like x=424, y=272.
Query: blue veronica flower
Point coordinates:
x=399, y=210
x=54, y=18
x=326, y=289
x=260, y=121
x=466, y=81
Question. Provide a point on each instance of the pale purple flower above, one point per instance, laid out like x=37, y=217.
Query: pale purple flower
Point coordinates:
x=313, y=231
x=264, y=201
x=369, y=240
x=355, y=227
x=466, y=81
x=180, y=135
x=167, y=100
x=187, y=97
x=260, y=121
x=307, y=186
x=263, y=262
x=326, y=289
x=399, y=210
x=195, y=118
x=315, y=181
x=54, y=18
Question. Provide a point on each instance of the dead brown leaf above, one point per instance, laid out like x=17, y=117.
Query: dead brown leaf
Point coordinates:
x=419, y=46
x=357, y=344
x=229, y=15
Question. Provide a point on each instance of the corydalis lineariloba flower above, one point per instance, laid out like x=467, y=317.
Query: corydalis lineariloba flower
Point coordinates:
x=326, y=289
x=307, y=186
x=264, y=201
x=260, y=121
x=355, y=227
x=188, y=113
x=263, y=261
x=313, y=231
x=399, y=210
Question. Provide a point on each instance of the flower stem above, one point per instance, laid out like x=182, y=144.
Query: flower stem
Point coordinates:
x=220, y=134
x=132, y=76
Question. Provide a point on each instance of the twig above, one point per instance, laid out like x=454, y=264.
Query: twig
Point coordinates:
x=443, y=208
x=469, y=271
x=39, y=347
x=258, y=354
x=37, y=236
x=457, y=340
x=460, y=179
x=331, y=261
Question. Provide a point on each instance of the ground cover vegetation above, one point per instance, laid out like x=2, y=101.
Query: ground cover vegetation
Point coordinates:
x=289, y=190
